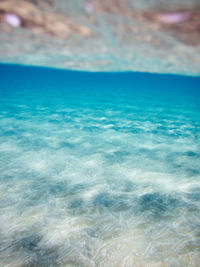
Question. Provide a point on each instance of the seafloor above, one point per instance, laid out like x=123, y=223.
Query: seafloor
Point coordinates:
x=99, y=169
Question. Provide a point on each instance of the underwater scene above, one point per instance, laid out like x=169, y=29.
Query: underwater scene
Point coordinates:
x=99, y=169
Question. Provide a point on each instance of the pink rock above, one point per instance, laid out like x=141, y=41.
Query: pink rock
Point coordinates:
x=171, y=18
x=12, y=19
x=89, y=7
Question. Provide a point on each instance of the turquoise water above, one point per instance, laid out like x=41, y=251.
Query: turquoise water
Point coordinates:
x=99, y=169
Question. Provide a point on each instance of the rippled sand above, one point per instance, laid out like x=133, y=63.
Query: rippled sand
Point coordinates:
x=99, y=169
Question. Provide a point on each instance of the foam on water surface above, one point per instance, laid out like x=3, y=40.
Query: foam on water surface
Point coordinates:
x=99, y=169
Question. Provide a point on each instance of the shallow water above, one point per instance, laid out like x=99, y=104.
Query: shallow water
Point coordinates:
x=99, y=169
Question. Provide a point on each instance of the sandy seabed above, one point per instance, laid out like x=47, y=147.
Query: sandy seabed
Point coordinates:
x=101, y=172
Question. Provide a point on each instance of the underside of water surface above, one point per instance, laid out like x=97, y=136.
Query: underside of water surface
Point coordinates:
x=99, y=169
x=156, y=36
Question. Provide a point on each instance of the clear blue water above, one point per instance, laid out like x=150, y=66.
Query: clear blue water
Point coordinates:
x=99, y=169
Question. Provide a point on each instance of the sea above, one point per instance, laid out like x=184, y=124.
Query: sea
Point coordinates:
x=99, y=169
